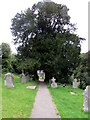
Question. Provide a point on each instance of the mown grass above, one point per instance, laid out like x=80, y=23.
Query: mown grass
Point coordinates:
x=18, y=101
x=0, y=98
x=68, y=106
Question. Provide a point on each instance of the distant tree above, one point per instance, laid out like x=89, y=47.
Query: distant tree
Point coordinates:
x=6, y=57
x=14, y=64
x=46, y=40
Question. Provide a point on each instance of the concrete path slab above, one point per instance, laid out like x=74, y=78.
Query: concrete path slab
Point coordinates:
x=43, y=106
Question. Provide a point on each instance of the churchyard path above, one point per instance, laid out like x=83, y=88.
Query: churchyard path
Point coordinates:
x=43, y=106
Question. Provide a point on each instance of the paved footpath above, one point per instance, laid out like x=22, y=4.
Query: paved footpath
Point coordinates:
x=43, y=106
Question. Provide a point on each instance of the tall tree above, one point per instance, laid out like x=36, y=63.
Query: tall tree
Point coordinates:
x=46, y=37
x=6, y=57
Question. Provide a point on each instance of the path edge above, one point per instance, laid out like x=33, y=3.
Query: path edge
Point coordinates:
x=54, y=105
x=34, y=102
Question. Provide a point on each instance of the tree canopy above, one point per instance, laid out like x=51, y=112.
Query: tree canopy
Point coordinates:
x=46, y=40
x=6, y=54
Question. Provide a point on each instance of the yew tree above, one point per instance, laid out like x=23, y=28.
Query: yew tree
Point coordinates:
x=46, y=40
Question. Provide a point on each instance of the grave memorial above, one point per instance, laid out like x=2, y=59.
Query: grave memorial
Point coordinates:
x=53, y=84
x=86, y=96
x=75, y=83
x=9, y=80
x=23, y=78
x=27, y=78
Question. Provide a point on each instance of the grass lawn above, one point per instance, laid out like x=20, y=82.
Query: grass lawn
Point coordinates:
x=68, y=106
x=0, y=98
x=18, y=101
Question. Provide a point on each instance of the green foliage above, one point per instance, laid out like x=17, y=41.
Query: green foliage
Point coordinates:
x=82, y=71
x=6, y=58
x=46, y=40
x=14, y=64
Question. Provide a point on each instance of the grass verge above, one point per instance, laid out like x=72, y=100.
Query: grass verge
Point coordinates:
x=68, y=105
x=18, y=101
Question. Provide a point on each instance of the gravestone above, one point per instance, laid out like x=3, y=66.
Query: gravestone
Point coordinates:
x=41, y=75
x=23, y=78
x=20, y=75
x=31, y=87
x=27, y=78
x=86, y=99
x=73, y=93
x=9, y=80
x=53, y=84
x=75, y=83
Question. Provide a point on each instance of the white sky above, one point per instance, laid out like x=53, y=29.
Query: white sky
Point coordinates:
x=78, y=11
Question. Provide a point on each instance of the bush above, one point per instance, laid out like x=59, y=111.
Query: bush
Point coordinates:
x=5, y=70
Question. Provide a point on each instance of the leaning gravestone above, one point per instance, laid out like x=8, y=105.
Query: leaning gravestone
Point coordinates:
x=75, y=83
x=86, y=99
x=9, y=80
x=23, y=78
x=53, y=84
x=41, y=75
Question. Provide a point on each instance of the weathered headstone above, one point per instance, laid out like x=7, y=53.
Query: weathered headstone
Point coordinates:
x=27, y=78
x=9, y=80
x=75, y=83
x=23, y=78
x=41, y=75
x=53, y=84
x=86, y=99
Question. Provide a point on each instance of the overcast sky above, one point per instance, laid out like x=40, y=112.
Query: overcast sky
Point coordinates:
x=78, y=11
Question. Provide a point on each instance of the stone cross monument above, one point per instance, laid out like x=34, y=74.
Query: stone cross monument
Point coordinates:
x=53, y=84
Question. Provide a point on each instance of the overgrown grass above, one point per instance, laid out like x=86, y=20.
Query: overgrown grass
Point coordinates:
x=68, y=106
x=18, y=101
